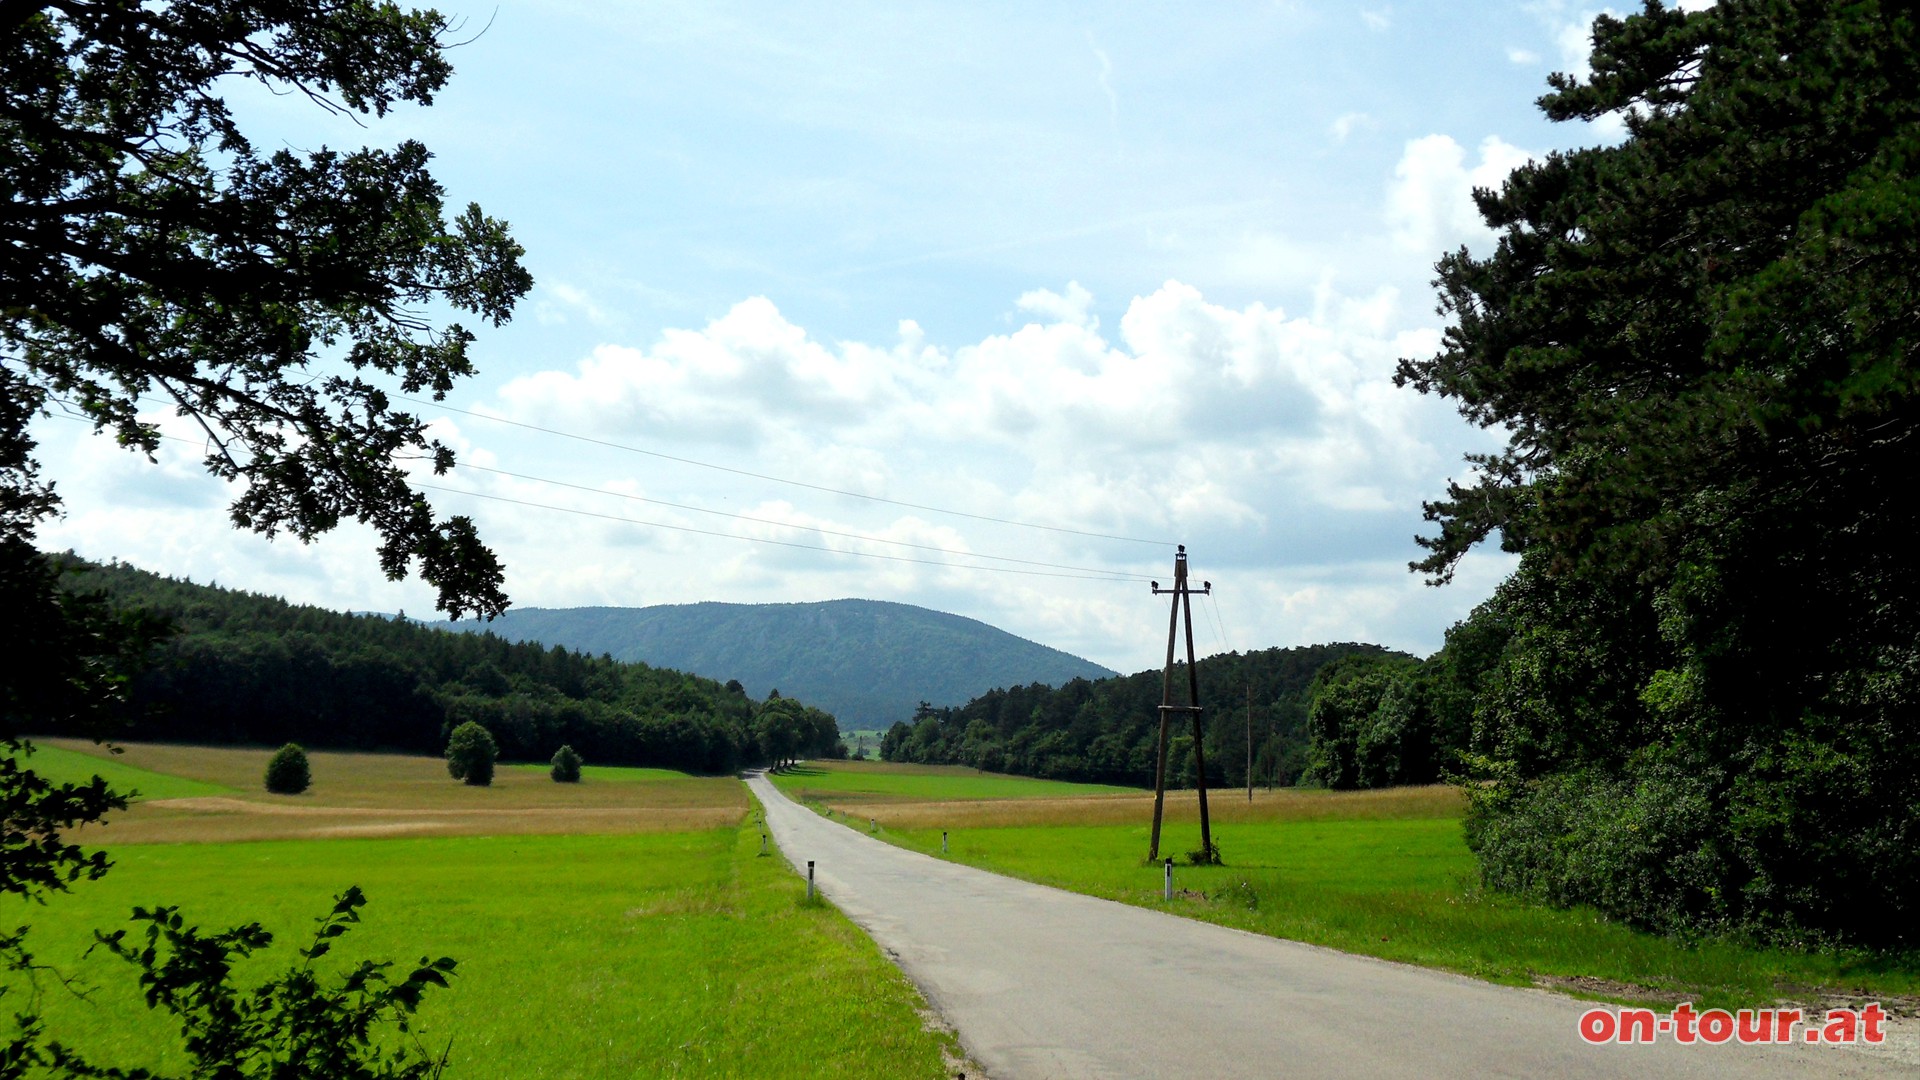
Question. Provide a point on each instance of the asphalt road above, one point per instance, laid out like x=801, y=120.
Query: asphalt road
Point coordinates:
x=1044, y=983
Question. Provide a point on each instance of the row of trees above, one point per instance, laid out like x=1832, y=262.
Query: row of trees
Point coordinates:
x=245, y=668
x=1105, y=731
x=1702, y=344
x=1380, y=720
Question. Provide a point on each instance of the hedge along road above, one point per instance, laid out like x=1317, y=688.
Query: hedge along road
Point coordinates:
x=1045, y=983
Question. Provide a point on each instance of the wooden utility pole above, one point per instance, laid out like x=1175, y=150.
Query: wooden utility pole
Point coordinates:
x=1249, y=736
x=1182, y=603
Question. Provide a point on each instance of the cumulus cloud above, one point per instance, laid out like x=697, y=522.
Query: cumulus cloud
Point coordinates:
x=1429, y=203
x=1266, y=438
x=1074, y=307
x=1271, y=441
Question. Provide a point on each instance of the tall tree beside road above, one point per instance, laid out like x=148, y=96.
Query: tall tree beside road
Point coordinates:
x=1701, y=342
x=152, y=255
x=149, y=254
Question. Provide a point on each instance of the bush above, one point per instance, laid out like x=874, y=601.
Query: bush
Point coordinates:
x=471, y=752
x=302, y=1023
x=1648, y=847
x=566, y=766
x=287, y=771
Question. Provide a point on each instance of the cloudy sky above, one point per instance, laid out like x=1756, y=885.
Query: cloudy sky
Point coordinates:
x=887, y=282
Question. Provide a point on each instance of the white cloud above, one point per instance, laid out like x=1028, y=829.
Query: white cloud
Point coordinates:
x=1524, y=57
x=1074, y=308
x=1575, y=41
x=1429, y=203
x=1268, y=440
x=1106, y=84
x=1271, y=442
x=1346, y=123
x=557, y=303
x=1378, y=21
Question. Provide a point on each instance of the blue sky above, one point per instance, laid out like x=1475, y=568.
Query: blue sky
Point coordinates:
x=1142, y=271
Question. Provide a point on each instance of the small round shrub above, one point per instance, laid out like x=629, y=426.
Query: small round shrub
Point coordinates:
x=287, y=771
x=471, y=753
x=566, y=766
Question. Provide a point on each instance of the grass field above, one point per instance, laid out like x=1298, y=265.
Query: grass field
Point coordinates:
x=648, y=950
x=1382, y=873
x=384, y=795
x=64, y=762
x=860, y=781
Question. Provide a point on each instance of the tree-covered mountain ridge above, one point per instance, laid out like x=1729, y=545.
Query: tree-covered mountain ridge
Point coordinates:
x=240, y=667
x=869, y=662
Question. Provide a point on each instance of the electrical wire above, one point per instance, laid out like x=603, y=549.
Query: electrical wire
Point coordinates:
x=782, y=480
x=1089, y=570
x=1081, y=573
x=764, y=540
x=1219, y=624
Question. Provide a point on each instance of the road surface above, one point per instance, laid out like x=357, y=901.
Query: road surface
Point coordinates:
x=1044, y=983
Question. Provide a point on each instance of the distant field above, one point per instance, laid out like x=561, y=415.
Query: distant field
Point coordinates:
x=386, y=795
x=64, y=762
x=872, y=736
x=1381, y=873
x=650, y=951
x=863, y=781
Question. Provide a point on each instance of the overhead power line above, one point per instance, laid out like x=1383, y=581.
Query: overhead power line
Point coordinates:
x=1116, y=575
x=1056, y=570
x=1101, y=576
x=783, y=480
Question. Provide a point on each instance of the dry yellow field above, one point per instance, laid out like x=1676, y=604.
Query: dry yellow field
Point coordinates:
x=370, y=795
x=1224, y=807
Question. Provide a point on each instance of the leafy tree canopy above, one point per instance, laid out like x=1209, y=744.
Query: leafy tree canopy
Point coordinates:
x=471, y=753
x=150, y=255
x=153, y=255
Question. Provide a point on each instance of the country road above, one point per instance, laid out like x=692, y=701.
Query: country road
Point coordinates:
x=1044, y=983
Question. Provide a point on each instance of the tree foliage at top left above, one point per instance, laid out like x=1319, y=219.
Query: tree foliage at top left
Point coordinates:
x=152, y=255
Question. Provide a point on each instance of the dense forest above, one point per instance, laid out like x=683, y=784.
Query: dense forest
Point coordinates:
x=245, y=668
x=1104, y=730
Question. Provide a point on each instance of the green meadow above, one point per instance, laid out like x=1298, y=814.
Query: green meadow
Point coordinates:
x=63, y=765
x=845, y=781
x=1383, y=874
x=650, y=952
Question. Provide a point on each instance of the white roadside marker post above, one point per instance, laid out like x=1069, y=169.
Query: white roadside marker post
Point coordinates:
x=943, y=841
x=1166, y=894
x=810, y=878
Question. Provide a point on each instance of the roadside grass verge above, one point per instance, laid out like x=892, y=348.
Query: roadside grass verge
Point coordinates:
x=648, y=954
x=1378, y=873
x=860, y=781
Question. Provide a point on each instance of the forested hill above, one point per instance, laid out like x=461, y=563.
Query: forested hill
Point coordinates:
x=245, y=668
x=868, y=662
x=1105, y=730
